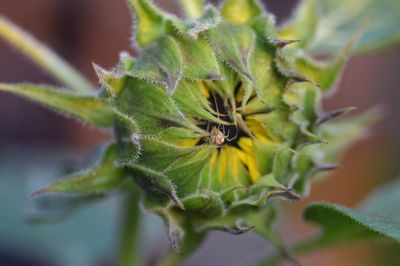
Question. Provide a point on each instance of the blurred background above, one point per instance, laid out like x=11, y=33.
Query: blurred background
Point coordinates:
x=35, y=142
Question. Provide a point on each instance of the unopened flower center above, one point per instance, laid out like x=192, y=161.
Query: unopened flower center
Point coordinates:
x=227, y=133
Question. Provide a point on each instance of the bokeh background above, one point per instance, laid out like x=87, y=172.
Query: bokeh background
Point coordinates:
x=35, y=142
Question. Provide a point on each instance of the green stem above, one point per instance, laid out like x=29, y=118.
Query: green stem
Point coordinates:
x=173, y=259
x=190, y=243
x=128, y=252
x=44, y=57
x=297, y=249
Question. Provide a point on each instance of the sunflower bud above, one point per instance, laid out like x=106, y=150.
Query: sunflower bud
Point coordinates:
x=218, y=115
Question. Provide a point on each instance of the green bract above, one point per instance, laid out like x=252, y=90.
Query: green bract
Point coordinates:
x=218, y=115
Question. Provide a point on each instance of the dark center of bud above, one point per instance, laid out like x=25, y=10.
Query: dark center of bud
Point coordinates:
x=218, y=133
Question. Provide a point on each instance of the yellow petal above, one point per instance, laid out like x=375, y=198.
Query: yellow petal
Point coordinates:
x=188, y=142
x=257, y=130
x=222, y=164
x=204, y=89
x=248, y=158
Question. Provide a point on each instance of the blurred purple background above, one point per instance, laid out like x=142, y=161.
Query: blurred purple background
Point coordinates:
x=89, y=31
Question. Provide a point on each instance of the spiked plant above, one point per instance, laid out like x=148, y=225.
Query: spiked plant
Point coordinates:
x=218, y=115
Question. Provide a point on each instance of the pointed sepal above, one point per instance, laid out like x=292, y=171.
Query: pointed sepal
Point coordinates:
x=265, y=27
x=237, y=229
x=233, y=45
x=186, y=171
x=326, y=73
x=260, y=65
x=304, y=99
x=150, y=106
x=280, y=43
x=319, y=158
x=286, y=67
x=344, y=132
x=192, y=103
x=175, y=231
x=56, y=207
x=262, y=200
x=103, y=178
x=241, y=11
x=205, y=204
x=160, y=155
x=198, y=59
x=327, y=116
x=193, y=8
x=157, y=184
x=150, y=22
x=303, y=25
x=112, y=83
x=160, y=63
x=88, y=109
x=192, y=29
x=127, y=133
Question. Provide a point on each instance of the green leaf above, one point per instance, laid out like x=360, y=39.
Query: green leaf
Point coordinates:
x=338, y=23
x=160, y=63
x=44, y=57
x=150, y=22
x=303, y=25
x=241, y=11
x=103, y=178
x=384, y=200
x=89, y=109
x=193, y=8
x=341, y=224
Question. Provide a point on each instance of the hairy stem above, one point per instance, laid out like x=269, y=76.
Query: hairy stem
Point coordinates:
x=128, y=252
x=190, y=243
x=44, y=57
x=173, y=259
x=297, y=249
